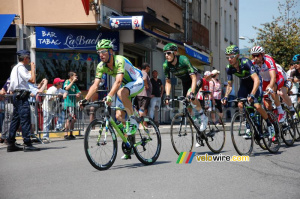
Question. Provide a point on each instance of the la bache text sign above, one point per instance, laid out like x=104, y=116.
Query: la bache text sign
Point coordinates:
x=73, y=39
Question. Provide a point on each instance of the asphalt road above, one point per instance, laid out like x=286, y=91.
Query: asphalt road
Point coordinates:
x=61, y=170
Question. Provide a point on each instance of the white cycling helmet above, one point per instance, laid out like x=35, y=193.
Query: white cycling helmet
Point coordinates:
x=257, y=50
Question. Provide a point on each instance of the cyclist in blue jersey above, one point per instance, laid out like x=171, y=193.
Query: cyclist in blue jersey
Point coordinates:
x=250, y=87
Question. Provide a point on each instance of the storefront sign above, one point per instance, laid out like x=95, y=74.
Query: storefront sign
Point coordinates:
x=126, y=22
x=73, y=39
x=196, y=54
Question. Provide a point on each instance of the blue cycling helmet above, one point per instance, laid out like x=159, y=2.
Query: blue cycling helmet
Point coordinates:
x=233, y=49
x=296, y=58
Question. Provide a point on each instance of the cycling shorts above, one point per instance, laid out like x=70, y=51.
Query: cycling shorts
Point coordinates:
x=244, y=92
x=134, y=88
x=279, y=82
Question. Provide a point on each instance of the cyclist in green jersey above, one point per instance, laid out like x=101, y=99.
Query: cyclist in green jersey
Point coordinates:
x=128, y=84
x=181, y=67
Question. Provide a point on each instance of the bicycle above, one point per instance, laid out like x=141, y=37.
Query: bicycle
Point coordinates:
x=248, y=127
x=182, y=137
x=287, y=128
x=296, y=118
x=101, y=146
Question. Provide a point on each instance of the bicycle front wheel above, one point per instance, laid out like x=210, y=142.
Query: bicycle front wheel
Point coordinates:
x=242, y=134
x=272, y=143
x=147, y=143
x=100, y=145
x=182, y=138
x=215, y=135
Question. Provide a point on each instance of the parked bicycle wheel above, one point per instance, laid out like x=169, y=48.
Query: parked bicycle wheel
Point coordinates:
x=147, y=143
x=242, y=134
x=215, y=133
x=288, y=131
x=272, y=145
x=100, y=145
x=182, y=133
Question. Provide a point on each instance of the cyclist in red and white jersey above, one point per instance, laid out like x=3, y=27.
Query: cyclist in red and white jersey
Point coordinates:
x=272, y=79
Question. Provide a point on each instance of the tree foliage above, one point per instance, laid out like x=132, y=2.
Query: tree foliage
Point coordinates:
x=281, y=37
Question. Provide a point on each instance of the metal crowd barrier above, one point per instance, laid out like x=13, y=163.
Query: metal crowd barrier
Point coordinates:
x=52, y=116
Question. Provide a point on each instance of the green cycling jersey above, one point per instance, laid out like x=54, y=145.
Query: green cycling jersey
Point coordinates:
x=121, y=66
x=183, y=68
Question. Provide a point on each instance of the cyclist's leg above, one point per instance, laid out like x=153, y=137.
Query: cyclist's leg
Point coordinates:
x=125, y=94
x=286, y=98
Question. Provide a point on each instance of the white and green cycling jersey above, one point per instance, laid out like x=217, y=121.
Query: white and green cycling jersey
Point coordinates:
x=132, y=79
x=121, y=66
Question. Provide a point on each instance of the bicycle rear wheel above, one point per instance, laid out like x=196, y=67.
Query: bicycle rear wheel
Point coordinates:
x=297, y=122
x=100, y=145
x=271, y=145
x=242, y=138
x=215, y=134
x=147, y=143
x=288, y=132
x=182, y=138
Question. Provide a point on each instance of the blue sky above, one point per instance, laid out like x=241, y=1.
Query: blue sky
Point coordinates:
x=254, y=13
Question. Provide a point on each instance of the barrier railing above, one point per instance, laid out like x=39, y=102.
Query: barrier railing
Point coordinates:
x=55, y=114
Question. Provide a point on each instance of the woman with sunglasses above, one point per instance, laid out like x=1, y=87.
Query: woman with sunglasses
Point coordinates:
x=249, y=84
x=182, y=68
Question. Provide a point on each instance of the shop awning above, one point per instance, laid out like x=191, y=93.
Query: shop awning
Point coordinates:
x=5, y=21
x=196, y=54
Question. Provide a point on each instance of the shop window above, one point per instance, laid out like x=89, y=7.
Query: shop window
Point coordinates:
x=56, y=64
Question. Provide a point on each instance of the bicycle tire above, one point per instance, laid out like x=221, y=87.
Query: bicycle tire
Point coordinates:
x=215, y=135
x=242, y=145
x=297, y=122
x=182, y=141
x=97, y=149
x=288, y=132
x=272, y=146
x=147, y=143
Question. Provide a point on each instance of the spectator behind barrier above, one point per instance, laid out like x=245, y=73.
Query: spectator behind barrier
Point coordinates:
x=70, y=103
x=52, y=99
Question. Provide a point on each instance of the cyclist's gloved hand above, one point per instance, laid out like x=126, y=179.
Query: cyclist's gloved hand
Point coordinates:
x=108, y=100
x=167, y=99
x=83, y=102
x=250, y=98
x=224, y=100
x=192, y=96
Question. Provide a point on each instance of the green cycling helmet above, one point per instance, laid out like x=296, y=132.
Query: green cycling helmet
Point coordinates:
x=170, y=46
x=104, y=43
x=233, y=49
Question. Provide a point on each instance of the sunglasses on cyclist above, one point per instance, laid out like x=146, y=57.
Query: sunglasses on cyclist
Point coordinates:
x=255, y=55
x=231, y=56
x=102, y=51
x=168, y=52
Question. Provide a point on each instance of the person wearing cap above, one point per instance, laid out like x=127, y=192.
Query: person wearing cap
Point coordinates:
x=250, y=87
x=53, y=95
x=216, y=89
x=182, y=68
x=21, y=115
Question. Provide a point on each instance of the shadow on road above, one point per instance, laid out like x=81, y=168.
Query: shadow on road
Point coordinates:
x=137, y=165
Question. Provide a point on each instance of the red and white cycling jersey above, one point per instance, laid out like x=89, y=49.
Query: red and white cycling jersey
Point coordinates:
x=281, y=70
x=267, y=66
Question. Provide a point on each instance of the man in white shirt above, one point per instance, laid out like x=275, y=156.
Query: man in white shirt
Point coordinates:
x=21, y=115
x=51, y=100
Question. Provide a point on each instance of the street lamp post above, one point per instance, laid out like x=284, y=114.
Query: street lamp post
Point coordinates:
x=244, y=38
